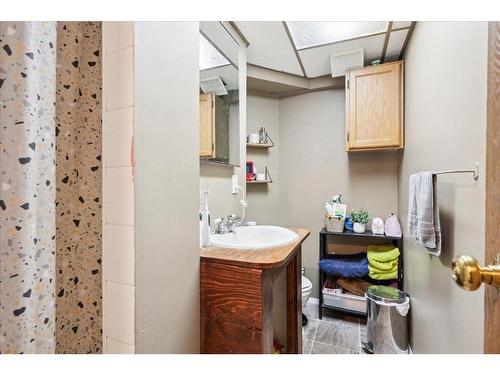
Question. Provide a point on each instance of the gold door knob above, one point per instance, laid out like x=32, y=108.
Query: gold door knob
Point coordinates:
x=468, y=274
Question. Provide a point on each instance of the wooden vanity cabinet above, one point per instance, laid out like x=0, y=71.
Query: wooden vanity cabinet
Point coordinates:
x=375, y=108
x=236, y=298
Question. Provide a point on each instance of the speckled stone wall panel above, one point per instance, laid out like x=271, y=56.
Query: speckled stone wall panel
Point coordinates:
x=27, y=192
x=79, y=185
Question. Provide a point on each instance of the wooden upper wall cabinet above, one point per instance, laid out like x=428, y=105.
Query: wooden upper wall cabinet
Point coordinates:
x=374, y=108
x=207, y=126
x=214, y=128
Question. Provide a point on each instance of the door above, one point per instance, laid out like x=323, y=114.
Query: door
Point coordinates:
x=207, y=124
x=492, y=295
x=374, y=107
x=466, y=271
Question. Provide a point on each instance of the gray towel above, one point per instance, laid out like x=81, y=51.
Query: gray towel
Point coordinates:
x=423, y=212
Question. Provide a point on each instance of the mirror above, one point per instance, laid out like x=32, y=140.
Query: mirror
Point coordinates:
x=219, y=95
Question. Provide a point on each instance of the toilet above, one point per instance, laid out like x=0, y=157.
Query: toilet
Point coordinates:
x=306, y=289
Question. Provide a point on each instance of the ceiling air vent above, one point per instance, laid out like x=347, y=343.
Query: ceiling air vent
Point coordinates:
x=213, y=86
x=342, y=62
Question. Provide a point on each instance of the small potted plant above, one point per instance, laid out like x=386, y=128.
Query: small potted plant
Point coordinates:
x=360, y=219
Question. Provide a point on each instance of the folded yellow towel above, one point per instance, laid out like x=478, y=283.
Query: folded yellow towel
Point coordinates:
x=374, y=269
x=381, y=274
x=384, y=276
x=383, y=266
x=382, y=253
x=383, y=261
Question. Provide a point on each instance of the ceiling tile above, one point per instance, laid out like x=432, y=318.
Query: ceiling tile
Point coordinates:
x=317, y=60
x=400, y=24
x=309, y=34
x=396, y=41
x=218, y=36
x=269, y=46
x=209, y=56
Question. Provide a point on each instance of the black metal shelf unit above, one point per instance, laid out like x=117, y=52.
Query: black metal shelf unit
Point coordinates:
x=323, y=237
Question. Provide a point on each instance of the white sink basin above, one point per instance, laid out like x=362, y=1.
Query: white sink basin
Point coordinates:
x=254, y=237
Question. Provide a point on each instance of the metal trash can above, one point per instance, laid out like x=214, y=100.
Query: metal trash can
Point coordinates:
x=387, y=324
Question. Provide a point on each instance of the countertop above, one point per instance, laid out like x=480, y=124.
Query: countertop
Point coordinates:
x=255, y=258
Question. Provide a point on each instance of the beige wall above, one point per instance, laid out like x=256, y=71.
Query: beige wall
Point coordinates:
x=166, y=187
x=264, y=199
x=445, y=129
x=314, y=166
x=118, y=188
x=217, y=179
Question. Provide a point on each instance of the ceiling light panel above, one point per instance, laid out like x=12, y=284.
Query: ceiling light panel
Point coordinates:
x=209, y=56
x=217, y=34
x=317, y=60
x=310, y=34
x=269, y=46
x=396, y=41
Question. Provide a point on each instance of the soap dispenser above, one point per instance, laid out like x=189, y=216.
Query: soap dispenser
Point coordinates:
x=204, y=220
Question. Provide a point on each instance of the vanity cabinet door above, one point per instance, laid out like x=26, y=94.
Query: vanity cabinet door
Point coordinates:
x=374, y=108
x=207, y=126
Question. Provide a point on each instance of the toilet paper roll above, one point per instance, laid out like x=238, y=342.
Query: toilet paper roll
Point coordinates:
x=253, y=138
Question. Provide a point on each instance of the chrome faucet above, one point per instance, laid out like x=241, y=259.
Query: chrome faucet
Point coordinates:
x=221, y=226
x=231, y=223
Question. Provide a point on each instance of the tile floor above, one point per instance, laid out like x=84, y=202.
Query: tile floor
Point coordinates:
x=334, y=334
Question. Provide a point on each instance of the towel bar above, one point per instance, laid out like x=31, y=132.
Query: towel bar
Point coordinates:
x=474, y=171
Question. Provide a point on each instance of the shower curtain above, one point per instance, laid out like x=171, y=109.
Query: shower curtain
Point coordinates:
x=78, y=183
x=27, y=177
x=50, y=134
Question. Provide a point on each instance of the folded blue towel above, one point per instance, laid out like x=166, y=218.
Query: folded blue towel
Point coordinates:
x=346, y=267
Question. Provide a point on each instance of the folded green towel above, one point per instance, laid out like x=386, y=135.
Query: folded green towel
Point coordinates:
x=384, y=276
x=382, y=253
x=373, y=269
x=383, y=261
x=383, y=266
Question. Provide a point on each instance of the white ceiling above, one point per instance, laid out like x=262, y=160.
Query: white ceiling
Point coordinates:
x=400, y=24
x=312, y=43
x=269, y=46
x=210, y=57
x=309, y=34
x=396, y=41
x=220, y=37
x=317, y=60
